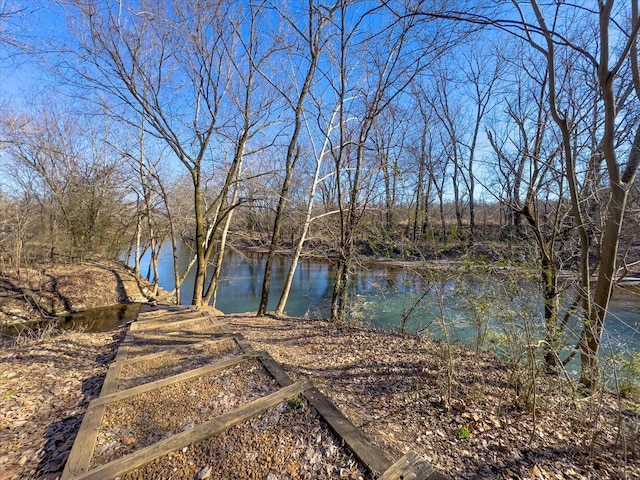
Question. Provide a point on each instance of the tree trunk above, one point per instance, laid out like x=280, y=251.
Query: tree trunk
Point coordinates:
x=293, y=150
x=552, y=334
x=277, y=225
x=340, y=292
x=212, y=291
x=594, y=324
x=308, y=219
x=201, y=261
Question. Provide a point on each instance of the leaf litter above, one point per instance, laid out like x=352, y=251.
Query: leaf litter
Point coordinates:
x=406, y=392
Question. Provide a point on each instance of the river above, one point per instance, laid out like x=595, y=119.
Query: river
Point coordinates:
x=382, y=295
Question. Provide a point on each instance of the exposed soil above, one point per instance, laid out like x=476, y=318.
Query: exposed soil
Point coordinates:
x=461, y=411
x=49, y=290
x=45, y=387
x=457, y=409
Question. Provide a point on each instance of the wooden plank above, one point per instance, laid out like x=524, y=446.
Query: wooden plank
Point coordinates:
x=436, y=475
x=177, y=339
x=123, y=349
x=199, y=433
x=167, y=316
x=242, y=342
x=367, y=452
x=82, y=450
x=202, y=343
x=160, y=314
x=162, y=342
x=159, y=310
x=245, y=346
x=171, y=321
x=219, y=333
x=209, y=326
x=412, y=467
x=198, y=372
x=192, y=325
x=274, y=369
x=122, y=354
x=110, y=384
x=225, y=328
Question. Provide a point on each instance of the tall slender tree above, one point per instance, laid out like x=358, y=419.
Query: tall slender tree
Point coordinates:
x=364, y=93
x=607, y=63
x=171, y=63
x=313, y=42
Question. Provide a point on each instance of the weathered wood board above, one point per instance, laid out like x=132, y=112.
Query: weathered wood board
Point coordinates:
x=123, y=374
x=168, y=336
x=412, y=467
x=163, y=311
x=147, y=375
x=157, y=397
x=169, y=321
x=181, y=440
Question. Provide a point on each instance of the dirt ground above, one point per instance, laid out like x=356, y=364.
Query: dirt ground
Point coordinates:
x=458, y=409
x=397, y=388
x=465, y=413
x=49, y=290
x=46, y=385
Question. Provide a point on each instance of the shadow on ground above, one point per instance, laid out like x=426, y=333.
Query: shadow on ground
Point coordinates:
x=60, y=435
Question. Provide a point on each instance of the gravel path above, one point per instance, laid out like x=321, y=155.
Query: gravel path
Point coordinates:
x=284, y=443
x=175, y=362
x=138, y=421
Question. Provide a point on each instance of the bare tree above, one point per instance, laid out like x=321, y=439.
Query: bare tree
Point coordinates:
x=11, y=36
x=313, y=43
x=253, y=97
x=450, y=115
x=528, y=159
x=65, y=164
x=319, y=157
x=598, y=43
x=169, y=63
x=421, y=154
x=608, y=67
x=482, y=72
x=386, y=76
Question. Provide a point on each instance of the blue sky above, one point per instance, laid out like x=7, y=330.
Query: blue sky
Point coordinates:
x=22, y=75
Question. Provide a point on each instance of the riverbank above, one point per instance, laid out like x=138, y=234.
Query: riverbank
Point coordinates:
x=48, y=291
x=467, y=414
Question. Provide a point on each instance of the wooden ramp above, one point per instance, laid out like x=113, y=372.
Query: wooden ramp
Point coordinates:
x=186, y=398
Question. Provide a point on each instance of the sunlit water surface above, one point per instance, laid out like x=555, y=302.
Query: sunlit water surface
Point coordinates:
x=384, y=296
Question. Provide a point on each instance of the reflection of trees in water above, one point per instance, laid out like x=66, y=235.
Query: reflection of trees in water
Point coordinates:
x=100, y=319
x=381, y=295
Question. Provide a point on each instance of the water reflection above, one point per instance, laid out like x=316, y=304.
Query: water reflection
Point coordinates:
x=101, y=319
x=383, y=294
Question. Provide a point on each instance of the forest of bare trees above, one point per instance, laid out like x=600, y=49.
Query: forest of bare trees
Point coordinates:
x=412, y=130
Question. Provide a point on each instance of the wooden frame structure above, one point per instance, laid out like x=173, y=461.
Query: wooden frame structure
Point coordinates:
x=152, y=326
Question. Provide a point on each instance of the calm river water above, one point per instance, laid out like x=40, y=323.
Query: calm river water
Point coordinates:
x=384, y=294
